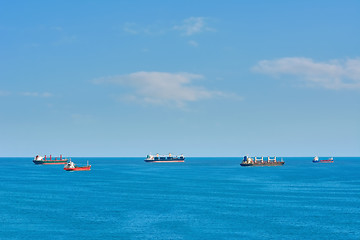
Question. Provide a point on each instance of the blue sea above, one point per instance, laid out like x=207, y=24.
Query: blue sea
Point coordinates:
x=203, y=198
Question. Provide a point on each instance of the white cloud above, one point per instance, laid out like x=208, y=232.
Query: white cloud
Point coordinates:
x=161, y=87
x=193, y=25
x=335, y=74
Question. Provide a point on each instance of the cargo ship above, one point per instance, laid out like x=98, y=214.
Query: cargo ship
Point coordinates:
x=46, y=161
x=71, y=166
x=169, y=158
x=317, y=160
x=259, y=162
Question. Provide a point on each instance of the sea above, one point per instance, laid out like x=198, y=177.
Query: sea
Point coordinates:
x=203, y=198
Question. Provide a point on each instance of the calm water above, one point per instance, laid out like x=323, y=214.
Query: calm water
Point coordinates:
x=203, y=198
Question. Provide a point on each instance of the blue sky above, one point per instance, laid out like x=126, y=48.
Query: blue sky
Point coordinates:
x=202, y=78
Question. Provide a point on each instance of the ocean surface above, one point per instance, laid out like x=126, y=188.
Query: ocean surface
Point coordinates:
x=203, y=198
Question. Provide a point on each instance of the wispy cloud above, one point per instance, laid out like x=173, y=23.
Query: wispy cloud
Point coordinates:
x=136, y=29
x=193, y=43
x=161, y=87
x=188, y=27
x=80, y=118
x=36, y=94
x=4, y=93
x=26, y=94
x=57, y=28
x=334, y=74
x=65, y=40
x=193, y=25
x=59, y=36
x=130, y=28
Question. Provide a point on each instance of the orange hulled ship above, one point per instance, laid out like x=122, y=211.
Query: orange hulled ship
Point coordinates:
x=71, y=166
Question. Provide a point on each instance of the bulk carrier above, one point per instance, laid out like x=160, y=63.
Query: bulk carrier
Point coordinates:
x=259, y=162
x=39, y=160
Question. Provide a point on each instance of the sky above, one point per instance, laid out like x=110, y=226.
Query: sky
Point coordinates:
x=199, y=78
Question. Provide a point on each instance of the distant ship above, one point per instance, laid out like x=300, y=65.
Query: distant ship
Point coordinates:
x=43, y=160
x=70, y=166
x=317, y=160
x=157, y=158
x=259, y=162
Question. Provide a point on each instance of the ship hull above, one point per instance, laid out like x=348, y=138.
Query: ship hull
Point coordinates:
x=86, y=168
x=324, y=161
x=50, y=162
x=164, y=161
x=264, y=164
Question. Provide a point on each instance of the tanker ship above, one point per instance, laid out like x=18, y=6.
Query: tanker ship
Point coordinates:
x=317, y=160
x=71, y=166
x=169, y=158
